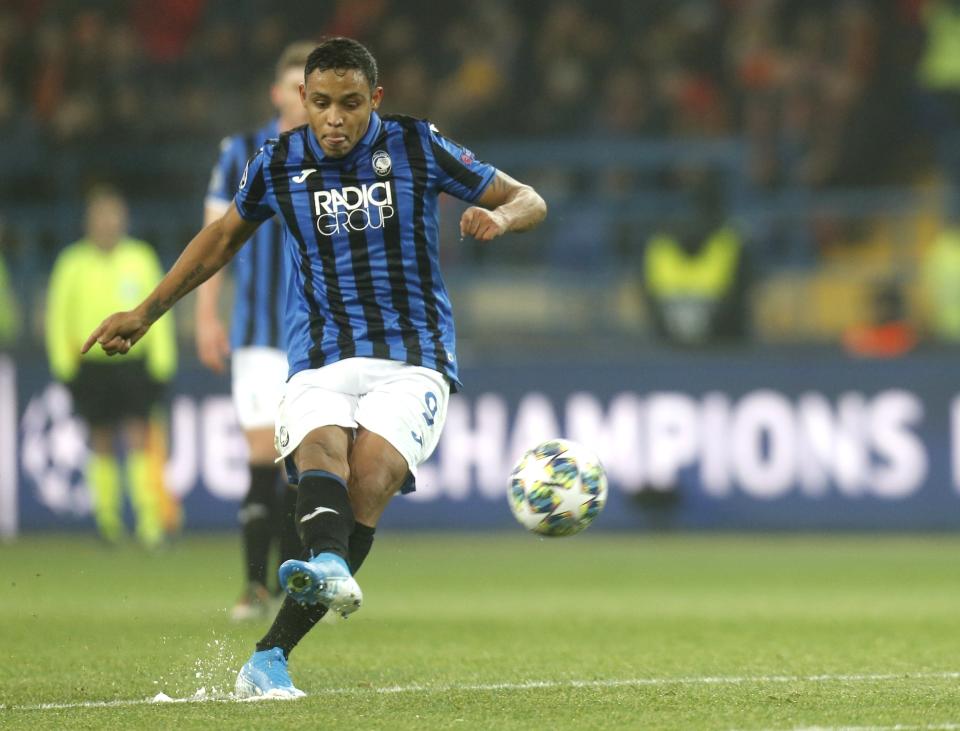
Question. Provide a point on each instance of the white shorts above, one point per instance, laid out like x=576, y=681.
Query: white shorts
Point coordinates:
x=404, y=404
x=259, y=375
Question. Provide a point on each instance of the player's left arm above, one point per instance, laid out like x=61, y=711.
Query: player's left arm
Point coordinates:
x=505, y=205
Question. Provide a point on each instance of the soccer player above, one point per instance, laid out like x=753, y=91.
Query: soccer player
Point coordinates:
x=9, y=307
x=257, y=342
x=370, y=332
x=104, y=270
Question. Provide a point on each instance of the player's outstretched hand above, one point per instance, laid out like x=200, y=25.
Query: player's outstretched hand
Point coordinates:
x=213, y=345
x=118, y=333
x=482, y=224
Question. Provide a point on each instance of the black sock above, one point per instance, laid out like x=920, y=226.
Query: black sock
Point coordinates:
x=291, y=625
x=290, y=546
x=294, y=621
x=256, y=517
x=360, y=542
x=324, y=516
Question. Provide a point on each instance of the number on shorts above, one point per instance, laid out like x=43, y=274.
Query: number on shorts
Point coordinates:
x=430, y=399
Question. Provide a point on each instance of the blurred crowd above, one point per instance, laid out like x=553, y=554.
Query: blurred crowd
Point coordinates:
x=783, y=103
x=826, y=91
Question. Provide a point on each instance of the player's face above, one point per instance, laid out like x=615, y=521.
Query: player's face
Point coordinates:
x=285, y=95
x=339, y=104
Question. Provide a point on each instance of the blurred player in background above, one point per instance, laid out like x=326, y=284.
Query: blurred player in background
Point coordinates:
x=102, y=271
x=370, y=332
x=257, y=341
x=9, y=310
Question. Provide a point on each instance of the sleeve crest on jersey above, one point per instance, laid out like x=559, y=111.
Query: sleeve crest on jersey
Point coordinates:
x=252, y=198
x=466, y=156
x=459, y=171
x=261, y=153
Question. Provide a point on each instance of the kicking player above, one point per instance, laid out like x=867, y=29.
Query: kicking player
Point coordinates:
x=257, y=342
x=369, y=325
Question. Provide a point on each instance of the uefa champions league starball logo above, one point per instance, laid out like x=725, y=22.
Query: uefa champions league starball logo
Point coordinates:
x=54, y=451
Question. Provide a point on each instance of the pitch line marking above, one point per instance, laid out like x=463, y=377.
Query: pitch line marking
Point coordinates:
x=549, y=684
x=897, y=727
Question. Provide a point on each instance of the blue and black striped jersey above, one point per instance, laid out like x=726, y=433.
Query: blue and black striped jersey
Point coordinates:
x=362, y=242
x=258, y=270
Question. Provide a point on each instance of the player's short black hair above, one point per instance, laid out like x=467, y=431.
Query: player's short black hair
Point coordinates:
x=342, y=53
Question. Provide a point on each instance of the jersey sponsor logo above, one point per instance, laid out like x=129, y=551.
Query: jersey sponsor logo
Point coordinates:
x=382, y=163
x=353, y=208
x=304, y=174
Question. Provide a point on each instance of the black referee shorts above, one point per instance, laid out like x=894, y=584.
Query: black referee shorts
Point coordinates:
x=105, y=394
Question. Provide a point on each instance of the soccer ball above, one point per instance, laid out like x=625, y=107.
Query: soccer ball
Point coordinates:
x=557, y=488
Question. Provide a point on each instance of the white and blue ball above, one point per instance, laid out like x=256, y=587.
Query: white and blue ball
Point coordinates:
x=557, y=488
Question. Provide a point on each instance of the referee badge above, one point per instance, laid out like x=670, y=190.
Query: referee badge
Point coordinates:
x=382, y=163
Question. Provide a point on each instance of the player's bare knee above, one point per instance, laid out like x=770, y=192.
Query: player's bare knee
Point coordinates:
x=313, y=456
x=323, y=450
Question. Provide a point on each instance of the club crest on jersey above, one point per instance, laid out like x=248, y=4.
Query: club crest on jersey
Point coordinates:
x=353, y=208
x=466, y=157
x=381, y=163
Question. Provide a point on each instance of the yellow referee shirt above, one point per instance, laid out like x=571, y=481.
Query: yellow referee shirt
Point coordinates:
x=89, y=283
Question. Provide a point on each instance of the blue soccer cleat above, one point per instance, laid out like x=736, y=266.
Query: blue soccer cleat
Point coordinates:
x=324, y=579
x=265, y=676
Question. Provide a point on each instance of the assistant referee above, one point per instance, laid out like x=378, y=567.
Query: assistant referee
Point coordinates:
x=105, y=271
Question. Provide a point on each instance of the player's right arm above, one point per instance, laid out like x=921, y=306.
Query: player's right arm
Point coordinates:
x=207, y=253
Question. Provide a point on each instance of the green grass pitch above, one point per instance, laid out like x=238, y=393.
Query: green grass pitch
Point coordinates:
x=501, y=631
